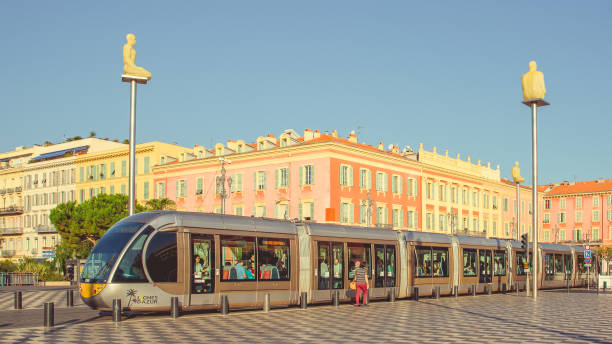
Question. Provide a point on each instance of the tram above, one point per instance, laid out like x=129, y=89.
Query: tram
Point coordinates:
x=148, y=258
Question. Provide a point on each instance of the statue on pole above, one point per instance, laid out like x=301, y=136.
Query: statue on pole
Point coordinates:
x=516, y=173
x=129, y=59
x=533, y=83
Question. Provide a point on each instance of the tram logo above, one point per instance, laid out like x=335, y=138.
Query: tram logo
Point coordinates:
x=133, y=297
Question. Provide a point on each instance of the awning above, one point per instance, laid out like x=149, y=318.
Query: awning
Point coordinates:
x=59, y=153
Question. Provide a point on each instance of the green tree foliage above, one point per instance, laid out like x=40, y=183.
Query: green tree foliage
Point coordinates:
x=160, y=204
x=7, y=266
x=81, y=226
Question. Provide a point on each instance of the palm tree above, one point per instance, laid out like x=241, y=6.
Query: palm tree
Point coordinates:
x=92, y=134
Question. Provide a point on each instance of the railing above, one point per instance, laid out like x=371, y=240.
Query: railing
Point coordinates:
x=2, y=191
x=10, y=190
x=472, y=233
x=8, y=253
x=12, y=210
x=18, y=189
x=18, y=278
x=45, y=229
x=11, y=231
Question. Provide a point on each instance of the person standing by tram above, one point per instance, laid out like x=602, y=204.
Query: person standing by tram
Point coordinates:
x=361, y=283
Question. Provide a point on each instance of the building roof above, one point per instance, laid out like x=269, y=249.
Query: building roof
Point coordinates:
x=600, y=185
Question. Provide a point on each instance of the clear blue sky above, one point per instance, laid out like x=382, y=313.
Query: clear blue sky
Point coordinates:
x=445, y=73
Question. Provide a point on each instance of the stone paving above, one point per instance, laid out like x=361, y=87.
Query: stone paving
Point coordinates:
x=556, y=317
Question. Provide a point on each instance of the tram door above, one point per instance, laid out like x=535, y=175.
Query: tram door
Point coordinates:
x=202, y=264
x=384, y=266
x=485, y=266
x=330, y=266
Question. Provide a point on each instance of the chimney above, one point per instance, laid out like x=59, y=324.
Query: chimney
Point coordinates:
x=317, y=134
x=380, y=146
x=335, y=133
x=308, y=135
x=352, y=137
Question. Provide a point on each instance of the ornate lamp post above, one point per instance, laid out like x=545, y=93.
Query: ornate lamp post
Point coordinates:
x=534, y=91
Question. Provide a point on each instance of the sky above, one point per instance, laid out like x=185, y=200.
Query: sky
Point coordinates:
x=444, y=73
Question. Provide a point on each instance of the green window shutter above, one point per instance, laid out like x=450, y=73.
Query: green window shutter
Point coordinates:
x=81, y=174
x=255, y=181
x=350, y=179
x=123, y=168
x=240, y=182
x=276, y=211
x=342, y=210
x=416, y=219
x=112, y=170
x=385, y=182
x=254, y=211
x=177, y=189
x=112, y=189
x=369, y=179
x=264, y=212
x=312, y=214
x=136, y=166
x=288, y=177
x=299, y=211
x=146, y=164
x=88, y=173
x=146, y=190
x=312, y=179
x=301, y=176
x=276, y=184
x=265, y=175
x=399, y=186
x=351, y=213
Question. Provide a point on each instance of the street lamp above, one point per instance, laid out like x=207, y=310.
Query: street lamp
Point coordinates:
x=452, y=216
x=534, y=91
x=221, y=183
x=369, y=203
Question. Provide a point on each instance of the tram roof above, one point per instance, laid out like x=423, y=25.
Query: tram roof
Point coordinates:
x=323, y=229
x=218, y=221
x=556, y=247
x=478, y=241
x=426, y=237
x=579, y=248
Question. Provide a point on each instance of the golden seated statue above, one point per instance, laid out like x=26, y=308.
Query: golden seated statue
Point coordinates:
x=516, y=173
x=129, y=59
x=533, y=83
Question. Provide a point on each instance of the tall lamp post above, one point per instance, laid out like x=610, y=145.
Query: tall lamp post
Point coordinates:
x=134, y=75
x=221, y=183
x=452, y=215
x=369, y=203
x=534, y=91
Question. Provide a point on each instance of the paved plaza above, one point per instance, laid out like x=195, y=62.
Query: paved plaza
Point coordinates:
x=557, y=317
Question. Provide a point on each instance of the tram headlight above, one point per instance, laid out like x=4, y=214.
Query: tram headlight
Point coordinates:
x=91, y=289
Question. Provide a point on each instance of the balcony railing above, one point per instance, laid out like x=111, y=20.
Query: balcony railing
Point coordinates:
x=10, y=190
x=18, y=189
x=12, y=210
x=8, y=253
x=11, y=231
x=2, y=191
x=45, y=229
x=472, y=233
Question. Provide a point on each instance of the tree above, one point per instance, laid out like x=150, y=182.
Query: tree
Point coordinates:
x=160, y=204
x=81, y=226
x=92, y=134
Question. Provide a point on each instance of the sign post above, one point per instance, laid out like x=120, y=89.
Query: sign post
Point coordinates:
x=587, y=262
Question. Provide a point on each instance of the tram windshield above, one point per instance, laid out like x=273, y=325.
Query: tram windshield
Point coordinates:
x=105, y=253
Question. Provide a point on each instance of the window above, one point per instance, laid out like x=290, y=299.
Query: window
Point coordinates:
x=237, y=182
x=363, y=214
x=610, y=215
x=609, y=200
x=578, y=202
x=331, y=259
x=346, y=212
x=260, y=180
x=381, y=181
x=562, y=203
x=431, y=261
x=123, y=168
x=499, y=263
x=595, y=234
x=384, y=274
x=494, y=202
x=411, y=219
x=81, y=175
x=130, y=269
x=381, y=216
x=469, y=262
x=429, y=191
x=475, y=198
x=346, y=175
x=547, y=204
x=464, y=196
x=161, y=257
x=282, y=178
x=307, y=175
x=546, y=235
x=396, y=218
x=281, y=210
x=494, y=228
x=595, y=215
x=561, y=217
x=412, y=187
x=549, y=266
x=577, y=234
x=112, y=190
x=441, y=221
x=428, y=218
x=147, y=168
x=505, y=204
x=306, y=211
x=123, y=189
x=203, y=258
x=273, y=259
x=259, y=210
x=238, y=211
x=181, y=188
x=237, y=258
x=579, y=216
x=360, y=252
x=161, y=190
x=396, y=185
x=365, y=179
x=146, y=190
x=562, y=235
x=547, y=217
x=595, y=201
x=506, y=229
x=453, y=194
x=200, y=186
x=112, y=170
x=485, y=266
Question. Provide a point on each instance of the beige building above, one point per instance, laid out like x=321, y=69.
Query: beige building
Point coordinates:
x=107, y=172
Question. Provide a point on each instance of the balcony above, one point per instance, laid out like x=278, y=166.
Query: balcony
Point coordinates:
x=18, y=189
x=12, y=210
x=472, y=233
x=40, y=229
x=8, y=253
x=2, y=191
x=10, y=190
x=11, y=231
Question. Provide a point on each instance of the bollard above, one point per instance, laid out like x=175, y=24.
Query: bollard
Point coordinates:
x=224, y=304
x=336, y=298
x=456, y=291
x=266, y=303
x=48, y=315
x=473, y=289
x=304, y=300
x=174, y=307
x=116, y=310
x=18, y=299
x=69, y=298
x=392, y=295
x=605, y=285
x=504, y=288
x=517, y=288
x=416, y=293
x=489, y=289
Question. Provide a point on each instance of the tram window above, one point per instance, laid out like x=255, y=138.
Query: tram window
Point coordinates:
x=568, y=265
x=237, y=258
x=331, y=266
x=549, y=266
x=440, y=262
x=581, y=269
x=324, y=261
x=337, y=266
x=273, y=259
x=423, y=261
x=379, y=266
x=520, y=263
x=359, y=252
x=202, y=266
x=130, y=269
x=559, y=264
x=469, y=262
x=390, y=261
x=162, y=258
x=499, y=263
x=485, y=266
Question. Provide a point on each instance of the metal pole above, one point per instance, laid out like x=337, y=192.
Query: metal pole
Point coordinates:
x=69, y=298
x=174, y=307
x=223, y=186
x=518, y=213
x=18, y=300
x=132, y=176
x=534, y=192
x=116, y=310
x=48, y=315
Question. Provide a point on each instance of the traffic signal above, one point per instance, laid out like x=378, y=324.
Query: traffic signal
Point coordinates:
x=524, y=242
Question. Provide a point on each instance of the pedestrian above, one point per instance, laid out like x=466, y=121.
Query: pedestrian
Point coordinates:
x=361, y=283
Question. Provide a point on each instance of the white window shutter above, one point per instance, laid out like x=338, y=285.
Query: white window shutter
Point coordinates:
x=351, y=213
